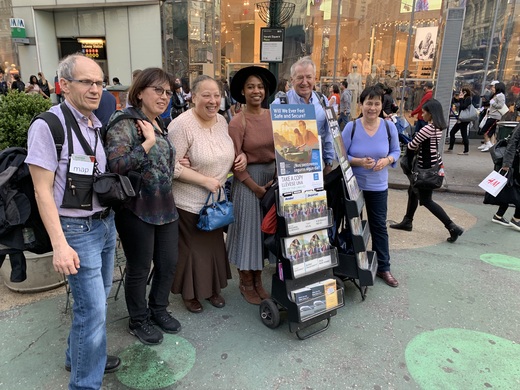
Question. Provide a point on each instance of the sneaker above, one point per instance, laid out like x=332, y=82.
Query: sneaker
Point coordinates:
x=515, y=224
x=481, y=147
x=486, y=148
x=463, y=154
x=500, y=220
x=145, y=332
x=166, y=322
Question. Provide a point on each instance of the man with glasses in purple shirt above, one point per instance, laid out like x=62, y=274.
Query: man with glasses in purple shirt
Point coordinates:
x=82, y=232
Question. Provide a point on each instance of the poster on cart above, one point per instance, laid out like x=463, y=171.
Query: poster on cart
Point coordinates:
x=297, y=147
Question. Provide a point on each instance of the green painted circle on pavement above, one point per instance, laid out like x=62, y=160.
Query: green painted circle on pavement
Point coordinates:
x=155, y=367
x=463, y=359
x=503, y=261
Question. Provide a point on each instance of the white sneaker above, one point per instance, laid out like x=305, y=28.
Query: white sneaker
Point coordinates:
x=488, y=145
x=481, y=147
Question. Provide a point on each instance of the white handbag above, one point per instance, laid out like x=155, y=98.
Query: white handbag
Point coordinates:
x=504, y=110
x=483, y=122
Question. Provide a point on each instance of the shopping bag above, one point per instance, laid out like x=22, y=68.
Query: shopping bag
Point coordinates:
x=483, y=122
x=493, y=183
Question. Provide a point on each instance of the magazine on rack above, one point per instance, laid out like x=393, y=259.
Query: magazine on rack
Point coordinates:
x=297, y=147
x=304, y=211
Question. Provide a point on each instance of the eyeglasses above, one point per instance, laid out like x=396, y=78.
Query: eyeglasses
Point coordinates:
x=160, y=90
x=88, y=83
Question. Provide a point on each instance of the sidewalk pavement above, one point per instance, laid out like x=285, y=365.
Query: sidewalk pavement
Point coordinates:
x=452, y=323
x=463, y=173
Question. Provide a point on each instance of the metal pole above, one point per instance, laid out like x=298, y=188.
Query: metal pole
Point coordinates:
x=336, y=46
x=407, y=57
x=490, y=47
x=274, y=21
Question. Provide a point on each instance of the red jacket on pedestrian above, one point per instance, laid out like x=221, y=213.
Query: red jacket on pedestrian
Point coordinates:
x=427, y=96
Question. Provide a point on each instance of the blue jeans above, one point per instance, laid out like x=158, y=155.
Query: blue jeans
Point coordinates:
x=94, y=240
x=343, y=120
x=376, y=203
x=419, y=125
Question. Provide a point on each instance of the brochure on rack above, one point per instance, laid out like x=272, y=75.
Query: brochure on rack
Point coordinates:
x=350, y=180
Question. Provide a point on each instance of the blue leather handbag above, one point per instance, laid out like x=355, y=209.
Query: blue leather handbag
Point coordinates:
x=216, y=214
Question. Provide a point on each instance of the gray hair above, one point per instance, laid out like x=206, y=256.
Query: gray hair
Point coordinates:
x=304, y=62
x=196, y=83
x=67, y=66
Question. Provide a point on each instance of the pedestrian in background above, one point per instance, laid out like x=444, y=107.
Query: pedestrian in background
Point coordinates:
x=464, y=100
x=511, y=165
x=493, y=115
x=428, y=94
x=426, y=144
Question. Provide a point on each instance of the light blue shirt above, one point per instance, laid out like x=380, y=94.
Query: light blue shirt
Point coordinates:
x=328, y=153
x=378, y=146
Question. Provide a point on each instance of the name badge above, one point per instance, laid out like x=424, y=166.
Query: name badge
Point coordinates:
x=82, y=164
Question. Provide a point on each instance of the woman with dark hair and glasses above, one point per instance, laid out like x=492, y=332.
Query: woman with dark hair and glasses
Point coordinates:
x=147, y=224
x=426, y=142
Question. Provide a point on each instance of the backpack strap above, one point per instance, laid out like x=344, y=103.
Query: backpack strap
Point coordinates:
x=128, y=113
x=55, y=127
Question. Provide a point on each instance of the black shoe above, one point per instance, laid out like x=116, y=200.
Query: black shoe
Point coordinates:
x=405, y=224
x=112, y=365
x=145, y=332
x=455, y=232
x=166, y=322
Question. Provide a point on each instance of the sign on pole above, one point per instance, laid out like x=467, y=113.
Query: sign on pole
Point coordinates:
x=271, y=44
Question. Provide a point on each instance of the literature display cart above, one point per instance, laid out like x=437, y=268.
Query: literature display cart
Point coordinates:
x=304, y=284
x=355, y=264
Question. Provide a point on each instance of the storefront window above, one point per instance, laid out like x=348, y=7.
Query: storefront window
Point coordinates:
x=373, y=35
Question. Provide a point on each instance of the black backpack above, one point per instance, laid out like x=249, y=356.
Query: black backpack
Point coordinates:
x=21, y=227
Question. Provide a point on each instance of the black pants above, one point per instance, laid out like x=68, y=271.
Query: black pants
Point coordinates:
x=463, y=127
x=144, y=243
x=424, y=197
x=503, y=208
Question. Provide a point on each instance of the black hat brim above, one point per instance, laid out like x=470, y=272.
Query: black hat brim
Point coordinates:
x=239, y=79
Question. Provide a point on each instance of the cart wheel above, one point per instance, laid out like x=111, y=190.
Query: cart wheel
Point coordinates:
x=269, y=313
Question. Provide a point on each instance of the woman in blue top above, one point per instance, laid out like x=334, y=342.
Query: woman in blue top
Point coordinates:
x=371, y=148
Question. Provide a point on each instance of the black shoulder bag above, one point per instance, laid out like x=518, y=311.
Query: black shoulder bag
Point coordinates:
x=428, y=178
x=112, y=189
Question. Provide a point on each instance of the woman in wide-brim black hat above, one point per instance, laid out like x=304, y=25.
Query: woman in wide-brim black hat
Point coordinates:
x=252, y=134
